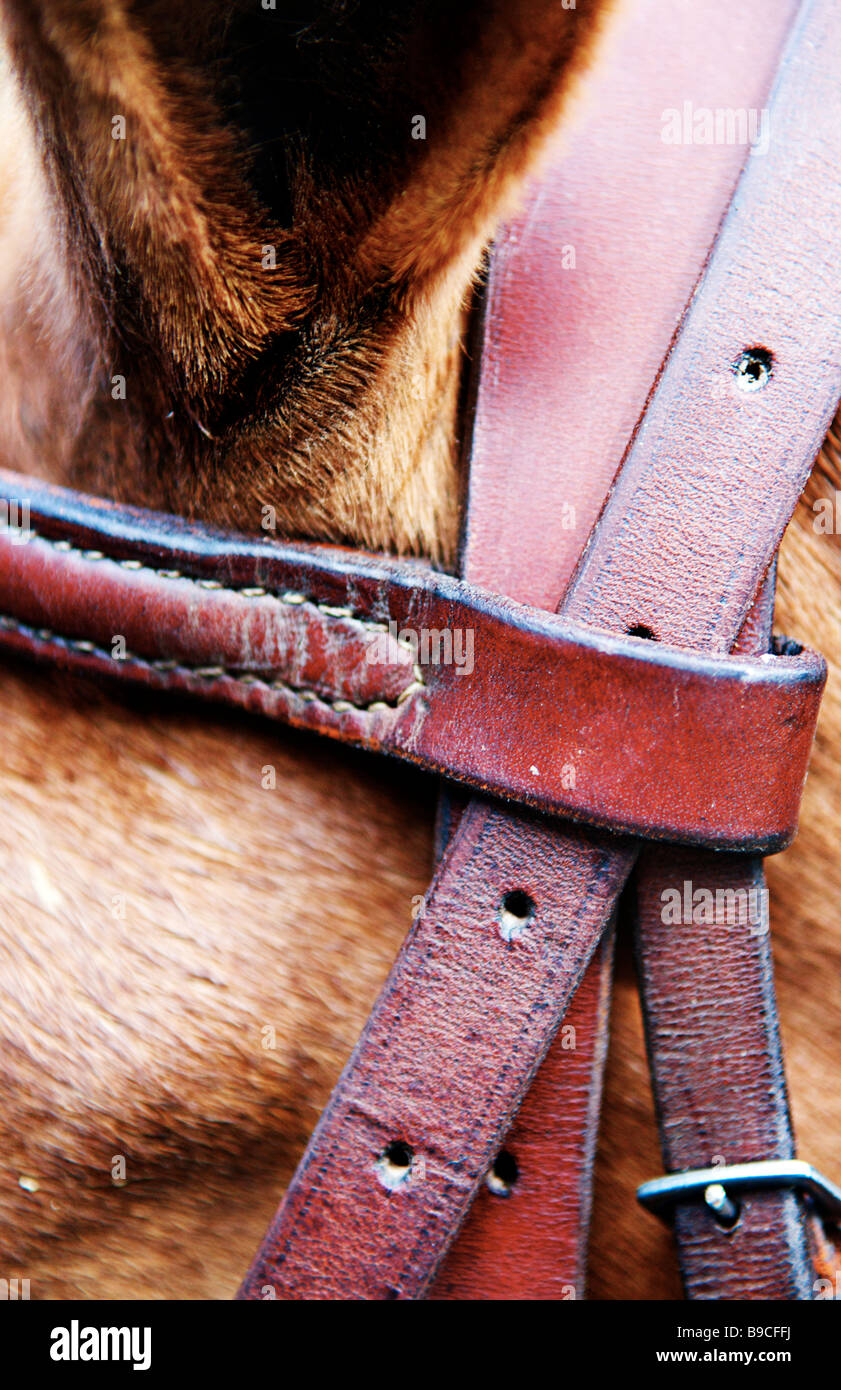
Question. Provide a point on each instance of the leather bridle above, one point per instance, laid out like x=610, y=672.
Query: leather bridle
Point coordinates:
x=648, y=724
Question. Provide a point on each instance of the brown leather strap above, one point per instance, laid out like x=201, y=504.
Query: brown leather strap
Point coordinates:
x=317, y=636
x=708, y=997
x=588, y=285
x=693, y=580
x=708, y=992
x=562, y=375
x=525, y=1236
x=529, y=1241
x=706, y=981
x=440, y=1069
x=727, y=443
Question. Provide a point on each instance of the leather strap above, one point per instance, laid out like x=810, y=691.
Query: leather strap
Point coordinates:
x=707, y=987
x=713, y=1039
x=708, y=996
x=562, y=373
x=588, y=285
x=530, y=1241
x=724, y=519
x=315, y=635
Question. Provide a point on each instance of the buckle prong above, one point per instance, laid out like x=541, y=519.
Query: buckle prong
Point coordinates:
x=715, y=1186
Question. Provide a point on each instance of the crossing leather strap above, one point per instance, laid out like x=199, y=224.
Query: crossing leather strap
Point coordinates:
x=706, y=980
x=529, y=1240
x=356, y=647
x=562, y=373
x=723, y=465
x=587, y=287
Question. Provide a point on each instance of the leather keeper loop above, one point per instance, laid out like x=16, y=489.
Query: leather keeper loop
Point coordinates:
x=617, y=732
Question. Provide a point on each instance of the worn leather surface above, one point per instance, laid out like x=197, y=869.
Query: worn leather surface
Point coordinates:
x=453, y=1042
x=684, y=541
x=718, y=1075
x=707, y=993
x=587, y=286
x=531, y=1244
x=711, y=461
x=565, y=720
x=707, y=987
x=561, y=376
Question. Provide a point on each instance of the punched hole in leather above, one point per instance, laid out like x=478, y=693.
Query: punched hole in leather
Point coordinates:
x=516, y=912
x=394, y=1165
x=504, y=1172
x=753, y=368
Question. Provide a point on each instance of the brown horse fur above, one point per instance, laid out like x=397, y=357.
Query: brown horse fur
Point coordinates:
x=270, y=260
x=187, y=957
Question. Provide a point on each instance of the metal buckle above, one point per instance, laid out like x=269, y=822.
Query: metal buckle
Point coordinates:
x=713, y=1185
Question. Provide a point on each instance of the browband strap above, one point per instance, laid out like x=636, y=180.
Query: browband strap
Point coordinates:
x=614, y=731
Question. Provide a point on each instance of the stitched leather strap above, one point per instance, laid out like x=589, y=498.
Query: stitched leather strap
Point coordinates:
x=312, y=635
x=725, y=502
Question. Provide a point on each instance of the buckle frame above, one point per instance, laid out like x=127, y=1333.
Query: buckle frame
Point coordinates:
x=714, y=1186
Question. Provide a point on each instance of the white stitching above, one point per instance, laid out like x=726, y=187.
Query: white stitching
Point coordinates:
x=209, y=673
x=290, y=596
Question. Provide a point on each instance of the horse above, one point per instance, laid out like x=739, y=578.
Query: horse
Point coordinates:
x=238, y=251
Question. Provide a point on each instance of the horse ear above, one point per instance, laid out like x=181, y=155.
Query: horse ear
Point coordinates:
x=491, y=98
